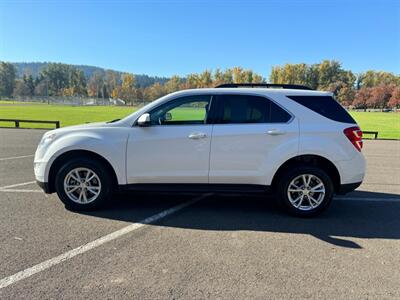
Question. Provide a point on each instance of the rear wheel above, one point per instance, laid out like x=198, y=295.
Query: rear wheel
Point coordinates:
x=83, y=184
x=305, y=191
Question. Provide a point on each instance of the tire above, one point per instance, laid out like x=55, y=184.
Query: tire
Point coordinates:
x=302, y=200
x=96, y=192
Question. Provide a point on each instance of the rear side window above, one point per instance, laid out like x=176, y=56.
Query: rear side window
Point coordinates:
x=326, y=106
x=245, y=109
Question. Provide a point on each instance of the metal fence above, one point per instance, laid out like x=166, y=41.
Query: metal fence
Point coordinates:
x=66, y=100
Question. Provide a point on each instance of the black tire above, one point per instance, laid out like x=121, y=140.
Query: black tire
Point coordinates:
x=95, y=166
x=295, y=172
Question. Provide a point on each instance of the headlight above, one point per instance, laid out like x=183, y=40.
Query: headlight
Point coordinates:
x=47, y=139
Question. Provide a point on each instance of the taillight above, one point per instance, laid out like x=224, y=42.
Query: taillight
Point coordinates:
x=354, y=134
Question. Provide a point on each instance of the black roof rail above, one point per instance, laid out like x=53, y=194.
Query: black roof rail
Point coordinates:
x=266, y=85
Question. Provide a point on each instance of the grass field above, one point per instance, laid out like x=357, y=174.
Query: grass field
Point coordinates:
x=67, y=115
x=388, y=124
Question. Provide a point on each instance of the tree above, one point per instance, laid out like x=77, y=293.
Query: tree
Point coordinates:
x=394, y=100
x=173, y=84
x=128, y=88
x=228, y=76
x=95, y=85
x=77, y=83
x=362, y=97
x=372, y=78
x=346, y=95
x=205, y=79
x=7, y=79
x=30, y=84
x=218, y=77
x=327, y=75
x=155, y=91
x=257, y=78
x=112, y=82
x=57, y=77
x=21, y=89
x=379, y=97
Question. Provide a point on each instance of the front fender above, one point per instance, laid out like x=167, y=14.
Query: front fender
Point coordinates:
x=110, y=144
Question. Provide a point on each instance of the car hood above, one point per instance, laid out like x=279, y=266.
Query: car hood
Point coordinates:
x=68, y=129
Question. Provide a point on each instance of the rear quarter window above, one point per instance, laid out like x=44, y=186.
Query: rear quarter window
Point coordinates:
x=326, y=106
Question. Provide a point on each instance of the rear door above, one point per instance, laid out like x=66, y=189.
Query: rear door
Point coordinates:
x=248, y=132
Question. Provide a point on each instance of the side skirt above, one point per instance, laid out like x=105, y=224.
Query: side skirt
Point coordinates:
x=214, y=188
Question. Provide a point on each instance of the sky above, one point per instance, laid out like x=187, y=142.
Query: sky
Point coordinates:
x=180, y=37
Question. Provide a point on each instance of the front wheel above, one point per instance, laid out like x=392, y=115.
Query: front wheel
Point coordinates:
x=305, y=191
x=83, y=184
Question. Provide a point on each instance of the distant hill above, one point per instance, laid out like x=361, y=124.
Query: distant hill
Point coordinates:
x=34, y=68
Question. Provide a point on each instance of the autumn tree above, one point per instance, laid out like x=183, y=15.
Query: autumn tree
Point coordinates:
x=346, y=95
x=205, y=79
x=128, y=88
x=394, y=100
x=95, y=85
x=374, y=78
x=155, y=91
x=173, y=84
x=362, y=97
x=379, y=97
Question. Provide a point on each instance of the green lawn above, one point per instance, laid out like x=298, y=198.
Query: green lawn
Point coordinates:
x=388, y=124
x=67, y=115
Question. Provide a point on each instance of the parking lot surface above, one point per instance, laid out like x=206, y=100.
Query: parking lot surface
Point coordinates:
x=206, y=246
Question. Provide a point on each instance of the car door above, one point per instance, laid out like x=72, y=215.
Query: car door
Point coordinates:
x=249, y=133
x=175, y=147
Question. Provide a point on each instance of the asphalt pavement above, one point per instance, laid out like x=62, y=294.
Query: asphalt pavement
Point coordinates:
x=191, y=246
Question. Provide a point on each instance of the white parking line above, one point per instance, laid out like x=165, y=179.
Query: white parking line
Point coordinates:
x=392, y=199
x=20, y=191
x=15, y=157
x=91, y=245
x=15, y=185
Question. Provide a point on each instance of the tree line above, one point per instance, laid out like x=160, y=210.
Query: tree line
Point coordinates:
x=370, y=89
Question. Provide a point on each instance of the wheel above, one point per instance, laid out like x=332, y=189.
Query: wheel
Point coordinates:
x=305, y=191
x=83, y=184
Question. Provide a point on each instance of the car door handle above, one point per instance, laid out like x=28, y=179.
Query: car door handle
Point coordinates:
x=275, y=132
x=197, y=135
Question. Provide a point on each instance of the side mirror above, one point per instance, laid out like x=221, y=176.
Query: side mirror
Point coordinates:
x=168, y=116
x=144, y=120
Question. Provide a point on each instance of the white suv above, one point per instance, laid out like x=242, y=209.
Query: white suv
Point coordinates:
x=297, y=143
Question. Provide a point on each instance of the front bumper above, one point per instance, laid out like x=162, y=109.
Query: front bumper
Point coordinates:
x=44, y=186
x=348, y=187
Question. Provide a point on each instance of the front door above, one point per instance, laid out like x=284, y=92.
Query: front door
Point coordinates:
x=175, y=147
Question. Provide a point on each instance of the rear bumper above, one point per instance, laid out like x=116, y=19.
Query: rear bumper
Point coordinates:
x=348, y=187
x=44, y=186
x=352, y=171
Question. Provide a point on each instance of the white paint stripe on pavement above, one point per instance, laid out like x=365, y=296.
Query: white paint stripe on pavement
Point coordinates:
x=15, y=185
x=15, y=157
x=392, y=199
x=91, y=245
x=20, y=191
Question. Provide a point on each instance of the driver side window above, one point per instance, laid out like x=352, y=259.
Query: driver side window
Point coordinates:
x=188, y=110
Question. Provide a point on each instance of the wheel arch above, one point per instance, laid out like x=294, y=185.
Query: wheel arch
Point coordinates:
x=309, y=159
x=60, y=161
